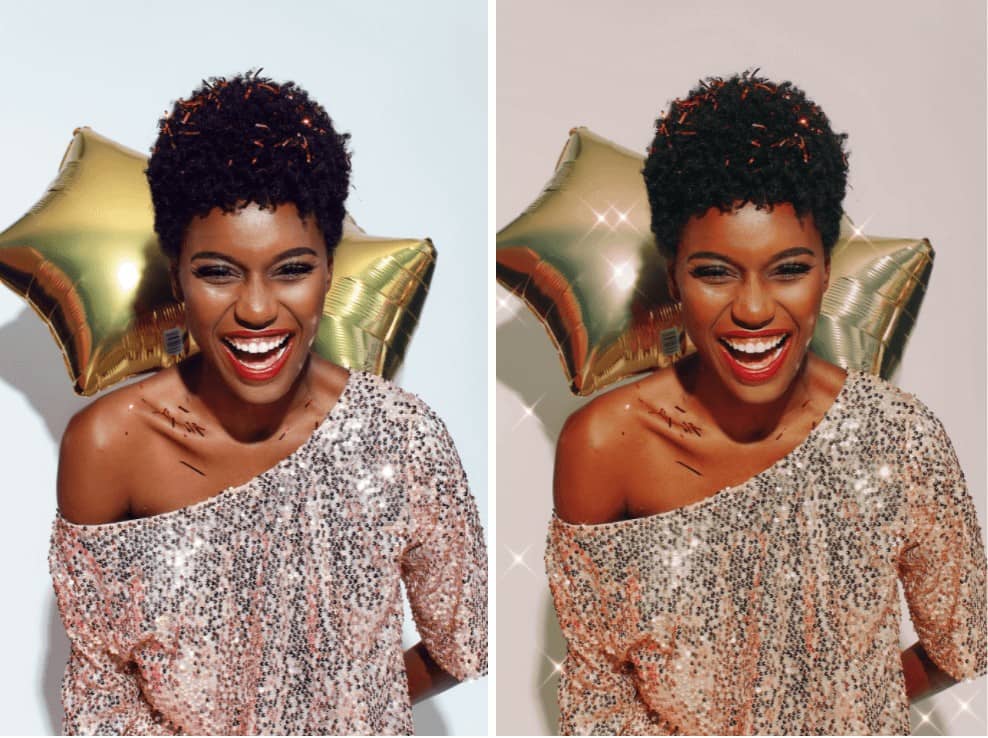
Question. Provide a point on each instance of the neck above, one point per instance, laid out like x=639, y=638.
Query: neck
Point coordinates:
x=243, y=421
x=741, y=421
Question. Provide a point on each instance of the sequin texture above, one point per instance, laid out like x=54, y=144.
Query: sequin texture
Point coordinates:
x=275, y=607
x=772, y=607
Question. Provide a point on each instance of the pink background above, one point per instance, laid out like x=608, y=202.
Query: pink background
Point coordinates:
x=906, y=80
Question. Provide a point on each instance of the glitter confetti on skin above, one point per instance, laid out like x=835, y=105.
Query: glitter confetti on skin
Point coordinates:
x=772, y=607
x=275, y=607
x=687, y=466
x=197, y=471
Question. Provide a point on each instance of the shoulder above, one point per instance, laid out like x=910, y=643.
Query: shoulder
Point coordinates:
x=399, y=408
x=898, y=425
x=886, y=405
x=590, y=463
x=97, y=454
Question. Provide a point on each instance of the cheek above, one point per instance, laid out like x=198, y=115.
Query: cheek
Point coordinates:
x=204, y=307
x=803, y=301
x=703, y=305
x=306, y=302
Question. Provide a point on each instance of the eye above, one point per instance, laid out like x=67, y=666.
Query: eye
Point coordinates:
x=214, y=272
x=295, y=269
x=714, y=273
x=792, y=269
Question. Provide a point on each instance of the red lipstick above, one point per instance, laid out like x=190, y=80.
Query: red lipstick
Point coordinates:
x=761, y=372
x=265, y=366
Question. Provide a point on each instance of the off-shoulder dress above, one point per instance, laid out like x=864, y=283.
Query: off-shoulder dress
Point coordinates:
x=275, y=606
x=772, y=607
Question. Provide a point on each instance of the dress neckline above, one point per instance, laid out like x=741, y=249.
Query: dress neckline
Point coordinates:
x=723, y=493
x=231, y=491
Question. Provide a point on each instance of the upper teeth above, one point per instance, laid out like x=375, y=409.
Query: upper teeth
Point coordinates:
x=754, y=345
x=257, y=345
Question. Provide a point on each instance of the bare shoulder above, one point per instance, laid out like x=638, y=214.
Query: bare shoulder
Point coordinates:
x=588, y=481
x=100, y=450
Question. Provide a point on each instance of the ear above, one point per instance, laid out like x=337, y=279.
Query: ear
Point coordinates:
x=173, y=277
x=329, y=273
x=826, y=270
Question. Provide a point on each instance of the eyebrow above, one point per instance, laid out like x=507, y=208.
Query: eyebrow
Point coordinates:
x=788, y=253
x=297, y=251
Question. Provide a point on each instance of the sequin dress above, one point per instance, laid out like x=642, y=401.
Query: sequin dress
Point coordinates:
x=275, y=607
x=772, y=607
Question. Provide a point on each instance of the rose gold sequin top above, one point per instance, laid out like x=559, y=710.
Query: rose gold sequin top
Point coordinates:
x=772, y=607
x=275, y=607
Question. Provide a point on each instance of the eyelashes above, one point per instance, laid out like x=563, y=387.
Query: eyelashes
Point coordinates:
x=706, y=272
x=795, y=268
x=222, y=272
x=296, y=268
x=720, y=272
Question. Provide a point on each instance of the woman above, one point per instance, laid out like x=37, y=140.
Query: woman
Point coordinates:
x=729, y=532
x=233, y=533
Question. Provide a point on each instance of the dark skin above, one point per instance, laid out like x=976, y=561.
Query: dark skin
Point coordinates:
x=745, y=270
x=186, y=433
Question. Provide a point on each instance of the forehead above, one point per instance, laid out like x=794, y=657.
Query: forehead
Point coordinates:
x=252, y=231
x=749, y=232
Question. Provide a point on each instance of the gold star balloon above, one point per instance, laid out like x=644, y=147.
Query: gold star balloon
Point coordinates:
x=86, y=258
x=583, y=258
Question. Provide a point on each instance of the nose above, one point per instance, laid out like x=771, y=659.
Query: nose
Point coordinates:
x=753, y=306
x=256, y=306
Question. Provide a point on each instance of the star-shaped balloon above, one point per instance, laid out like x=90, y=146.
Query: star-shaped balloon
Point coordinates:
x=86, y=258
x=583, y=258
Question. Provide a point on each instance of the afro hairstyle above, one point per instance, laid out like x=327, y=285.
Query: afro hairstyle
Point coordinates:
x=744, y=140
x=247, y=140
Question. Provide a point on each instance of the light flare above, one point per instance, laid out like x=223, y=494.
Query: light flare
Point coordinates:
x=518, y=560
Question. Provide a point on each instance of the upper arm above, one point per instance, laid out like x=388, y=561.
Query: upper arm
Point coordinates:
x=587, y=484
x=92, y=485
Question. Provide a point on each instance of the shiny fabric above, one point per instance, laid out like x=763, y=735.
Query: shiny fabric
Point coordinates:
x=275, y=607
x=772, y=607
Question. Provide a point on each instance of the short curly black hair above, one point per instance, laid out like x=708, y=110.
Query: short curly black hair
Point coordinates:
x=744, y=140
x=244, y=140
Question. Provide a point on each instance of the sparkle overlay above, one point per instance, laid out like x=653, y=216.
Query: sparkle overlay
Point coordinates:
x=772, y=607
x=275, y=606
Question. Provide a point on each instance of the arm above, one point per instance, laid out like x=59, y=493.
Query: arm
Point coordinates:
x=100, y=690
x=597, y=690
x=598, y=693
x=942, y=567
x=923, y=677
x=426, y=678
x=445, y=565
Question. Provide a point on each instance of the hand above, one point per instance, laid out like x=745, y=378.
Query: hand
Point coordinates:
x=425, y=677
x=923, y=677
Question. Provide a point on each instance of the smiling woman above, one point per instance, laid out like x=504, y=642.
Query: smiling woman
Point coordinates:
x=233, y=532
x=254, y=281
x=729, y=532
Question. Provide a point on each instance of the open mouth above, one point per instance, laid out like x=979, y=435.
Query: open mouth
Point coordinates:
x=259, y=357
x=755, y=358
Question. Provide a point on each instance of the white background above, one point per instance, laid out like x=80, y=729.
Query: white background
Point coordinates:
x=906, y=80
x=408, y=81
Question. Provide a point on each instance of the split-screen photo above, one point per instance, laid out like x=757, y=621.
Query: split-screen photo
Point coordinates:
x=494, y=368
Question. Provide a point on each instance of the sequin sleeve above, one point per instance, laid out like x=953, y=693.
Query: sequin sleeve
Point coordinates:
x=597, y=691
x=942, y=560
x=100, y=691
x=445, y=565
